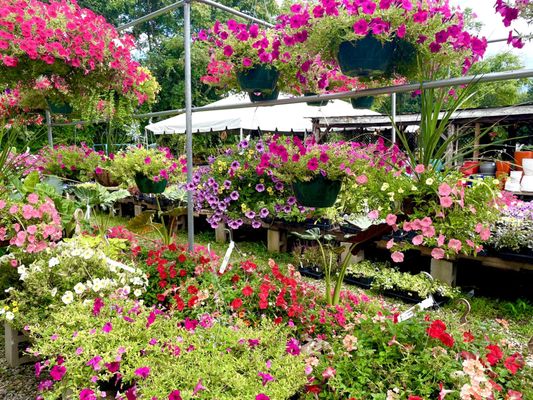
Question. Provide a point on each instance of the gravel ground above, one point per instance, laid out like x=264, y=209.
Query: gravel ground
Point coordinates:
x=15, y=383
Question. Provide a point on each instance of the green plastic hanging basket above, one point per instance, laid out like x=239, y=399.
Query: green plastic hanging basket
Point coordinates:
x=59, y=108
x=147, y=185
x=258, y=79
x=367, y=57
x=319, y=192
x=321, y=103
x=362, y=102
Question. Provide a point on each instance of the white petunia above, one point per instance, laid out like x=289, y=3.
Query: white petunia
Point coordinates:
x=88, y=254
x=68, y=297
x=126, y=290
x=79, y=288
x=429, y=181
x=137, y=292
x=53, y=292
x=384, y=187
x=53, y=262
x=23, y=272
x=10, y=316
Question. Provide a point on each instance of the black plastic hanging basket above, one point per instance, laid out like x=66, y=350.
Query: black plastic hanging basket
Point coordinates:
x=321, y=103
x=362, y=102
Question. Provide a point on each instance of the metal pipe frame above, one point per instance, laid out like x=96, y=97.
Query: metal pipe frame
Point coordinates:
x=149, y=17
x=234, y=12
x=188, y=120
x=410, y=87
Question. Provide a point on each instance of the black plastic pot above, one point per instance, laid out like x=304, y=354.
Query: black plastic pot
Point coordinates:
x=311, y=272
x=60, y=108
x=258, y=79
x=319, y=192
x=324, y=224
x=366, y=57
x=362, y=102
x=363, y=282
x=487, y=168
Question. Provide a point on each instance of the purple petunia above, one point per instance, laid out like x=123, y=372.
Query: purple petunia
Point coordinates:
x=260, y=187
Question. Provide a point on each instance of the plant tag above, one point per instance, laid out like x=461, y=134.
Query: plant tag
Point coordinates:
x=227, y=257
x=427, y=303
x=120, y=265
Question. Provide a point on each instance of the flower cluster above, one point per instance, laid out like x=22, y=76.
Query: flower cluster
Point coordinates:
x=154, y=163
x=239, y=186
x=509, y=12
x=72, y=162
x=60, y=52
x=32, y=224
x=436, y=30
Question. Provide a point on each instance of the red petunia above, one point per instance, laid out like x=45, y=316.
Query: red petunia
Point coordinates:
x=192, y=301
x=514, y=362
x=183, y=273
x=161, y=297
x=411, y=397
x=236, y=303
x=235, y=278
x=436, y=329
x=468, y=337
x=495, y=354
x=446, y=339
x=192, y=289
x=182, y=258
x=247, y=291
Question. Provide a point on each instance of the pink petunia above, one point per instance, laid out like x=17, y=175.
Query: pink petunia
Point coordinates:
x=391, y=219
x=419, y=169
x=444, y=190
x=418, y=239
x=446, y=201
x=143, y=372
x=397, y=256
x=437, y=253
x=455, y=245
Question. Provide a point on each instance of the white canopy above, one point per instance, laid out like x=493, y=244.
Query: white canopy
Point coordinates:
x=284, y=118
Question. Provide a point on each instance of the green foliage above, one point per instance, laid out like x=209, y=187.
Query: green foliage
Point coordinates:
x=219, y=357
x=77, y=268
x=497, y=94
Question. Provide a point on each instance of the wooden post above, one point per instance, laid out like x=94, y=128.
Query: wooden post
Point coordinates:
x=444, y=271
x=276, y=240
x=220, y=233
x=137, y=209
x=477, y=134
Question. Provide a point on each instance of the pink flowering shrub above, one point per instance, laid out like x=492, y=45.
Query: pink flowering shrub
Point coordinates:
x=31, y=224
x=60, y=52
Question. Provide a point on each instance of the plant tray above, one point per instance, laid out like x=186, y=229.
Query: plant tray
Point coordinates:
x=311, y=273
x=365, y=283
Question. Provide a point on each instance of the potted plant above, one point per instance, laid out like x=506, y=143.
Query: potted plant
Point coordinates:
x=86, y=68
x=521, y=153
x=77, y=163
x=315, y=171
x=375, y=38
x=149, y=168
x=244, y=57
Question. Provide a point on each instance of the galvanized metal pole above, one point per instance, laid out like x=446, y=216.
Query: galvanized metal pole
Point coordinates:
x=188, y=119
x=235, y=12
x=49, y=128
x=152, y=15
x=393, y=116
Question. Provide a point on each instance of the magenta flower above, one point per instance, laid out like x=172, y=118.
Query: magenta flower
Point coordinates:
x=174, y=395
x=94, y=363
x=293, y=347
x=361, y=27
x=199, y=387
x=247, y=62
x=57, y=372
x=312, y=164
x=228, y=51
x=108, y=327
x=265, y=377
x=142, y=372
x=97, y=306
x=87, y=394
x=262, y=396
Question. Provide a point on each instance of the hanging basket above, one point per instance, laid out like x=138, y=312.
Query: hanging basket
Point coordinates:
x=59, y=108
x=258, y=79
x=146, y=185
x=321, y=103
x=362, y=102
x=367, y=57
x=263, y=96
x=105, y=179
x=319, y=192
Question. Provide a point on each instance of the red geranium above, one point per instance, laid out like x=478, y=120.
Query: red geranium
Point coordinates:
x=514, y=362
x=247, y=291
x=236, y=303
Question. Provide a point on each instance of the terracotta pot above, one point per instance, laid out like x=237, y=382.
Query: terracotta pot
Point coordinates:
x=519, y=156
x=469, y=168
x=503, y=166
